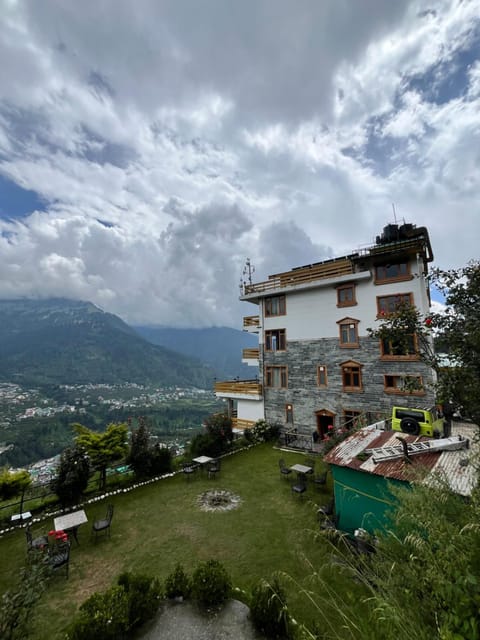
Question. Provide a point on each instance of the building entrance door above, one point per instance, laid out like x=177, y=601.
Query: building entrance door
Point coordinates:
x=325, y=419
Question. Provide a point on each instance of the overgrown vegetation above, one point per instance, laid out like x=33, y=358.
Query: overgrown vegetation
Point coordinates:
x=17, y=605
x=455, y=331
x=268, y=608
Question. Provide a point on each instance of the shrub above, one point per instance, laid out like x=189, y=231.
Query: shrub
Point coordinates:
x=144, y=593
x=204, y=444
x=262, y=431
x=178, y=584
x=211, y=584
x=103, y=615
x=13, y=482
x=268, y=609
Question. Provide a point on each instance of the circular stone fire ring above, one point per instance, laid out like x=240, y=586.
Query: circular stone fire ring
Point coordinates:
x=218, y=500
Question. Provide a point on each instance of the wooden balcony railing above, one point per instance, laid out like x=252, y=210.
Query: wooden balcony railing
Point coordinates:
x=244, y=387
x=303, y=275
x=238, y=423
x=250, y=354
x=251, y=322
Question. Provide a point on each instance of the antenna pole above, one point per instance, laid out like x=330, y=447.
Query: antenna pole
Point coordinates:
x=394, y=213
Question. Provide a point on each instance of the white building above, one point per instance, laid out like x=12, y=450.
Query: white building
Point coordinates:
x=318, y=366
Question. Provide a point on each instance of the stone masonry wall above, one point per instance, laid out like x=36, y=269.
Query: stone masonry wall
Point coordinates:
x=302, y=359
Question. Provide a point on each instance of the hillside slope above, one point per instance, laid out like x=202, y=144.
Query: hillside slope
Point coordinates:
x=219, y=347
x=61, y=341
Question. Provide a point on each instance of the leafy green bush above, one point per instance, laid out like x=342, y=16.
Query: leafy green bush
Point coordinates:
x=262, y=431
x=178, y=583
x=204, y=444
x=144, y=593
x=268, y=609
x=13, y=482
x=103, y=615
x=211, y=584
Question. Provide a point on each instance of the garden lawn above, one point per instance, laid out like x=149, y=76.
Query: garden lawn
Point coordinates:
x=158, y=525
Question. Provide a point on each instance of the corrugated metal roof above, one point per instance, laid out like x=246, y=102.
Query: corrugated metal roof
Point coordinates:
x=455, y=467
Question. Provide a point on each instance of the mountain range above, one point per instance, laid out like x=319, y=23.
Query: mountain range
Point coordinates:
x=60, y=341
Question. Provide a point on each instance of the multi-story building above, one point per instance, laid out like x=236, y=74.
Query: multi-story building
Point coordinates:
x=318, y=367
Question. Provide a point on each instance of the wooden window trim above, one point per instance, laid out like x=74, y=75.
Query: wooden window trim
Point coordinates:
x=348, y=303
x=348, y=345
x=268, y=333
x=402, y=392
x=387, y=357
x=383, y=314
x=276, y=366
x=276, y=315
x=349, y=388
x=325, y=372
x=400, y=278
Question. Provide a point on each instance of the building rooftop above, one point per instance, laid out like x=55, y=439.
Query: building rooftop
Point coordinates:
x=394, y=240
x=457, y=468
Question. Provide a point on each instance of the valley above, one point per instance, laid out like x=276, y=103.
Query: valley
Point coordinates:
x=36, y=422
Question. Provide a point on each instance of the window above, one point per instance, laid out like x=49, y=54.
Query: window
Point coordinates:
x=275, y=340
x=348, y=332
x=289, y=413
x=275, y=306
x=351, y=418
x=351, y=376
x=276, y=376
x=402, y=347
x=346, y=296
x=403, y=384
x=392, y=272
x=322, y=375
x=390, y=304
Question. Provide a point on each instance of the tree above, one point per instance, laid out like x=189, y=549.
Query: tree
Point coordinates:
x=138, y=456
x=457, y=329
x=105, y=448
x=147, y=460
x=72, y=475
x=13, y=483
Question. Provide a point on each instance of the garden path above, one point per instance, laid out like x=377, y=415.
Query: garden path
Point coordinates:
x=183, y=621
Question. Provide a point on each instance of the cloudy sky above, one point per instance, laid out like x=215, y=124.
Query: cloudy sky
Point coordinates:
x=148, y=147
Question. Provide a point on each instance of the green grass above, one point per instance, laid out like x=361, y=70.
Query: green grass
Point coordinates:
x=160, y=524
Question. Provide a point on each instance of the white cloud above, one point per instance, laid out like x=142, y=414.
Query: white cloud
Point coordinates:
x=172, y=140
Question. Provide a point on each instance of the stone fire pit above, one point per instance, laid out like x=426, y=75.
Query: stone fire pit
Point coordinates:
x=218, y=500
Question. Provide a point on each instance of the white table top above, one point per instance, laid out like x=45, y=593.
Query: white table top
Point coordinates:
x=70, y=520
x=203, y=459
x=301, y=468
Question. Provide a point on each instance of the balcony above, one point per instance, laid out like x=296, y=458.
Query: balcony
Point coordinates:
x=238, y=423
x=250, y=356
x=251, y=324
x=303, y=276
x=249, y=389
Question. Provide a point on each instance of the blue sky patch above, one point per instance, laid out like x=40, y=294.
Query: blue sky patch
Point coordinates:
x=16, y=202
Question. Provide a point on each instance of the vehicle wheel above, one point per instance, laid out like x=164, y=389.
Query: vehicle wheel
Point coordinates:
x=410, y=426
